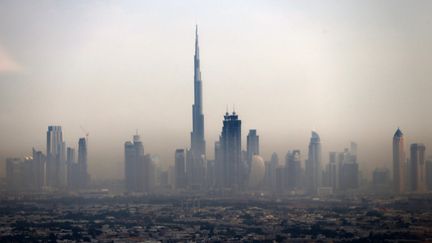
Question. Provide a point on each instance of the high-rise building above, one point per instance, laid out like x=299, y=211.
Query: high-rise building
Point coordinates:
x=197, y=134
x=332, y=171
x=313, y=164
x=230, y=142
x=26, y=174
x=134, y=154
x=252, y=144
x=195, y=170
x=14, y=174
x=78, y=177
x=130, y=166
x=146, y=174
x=270, y=174
x=219, y=164
x=196, y=156
x=349, y=170
x=417, y=168
x=180, y=168
x=140, y=175
x=72, y=171
x=399, y=161
x=83, y=163
x=56, y=157
x=70, y=155
x=293, y=170
x=38, y=170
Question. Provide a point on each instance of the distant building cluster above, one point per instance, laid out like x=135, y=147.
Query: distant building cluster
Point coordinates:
x=412, y=174
x=58, y=169
x=234, y=169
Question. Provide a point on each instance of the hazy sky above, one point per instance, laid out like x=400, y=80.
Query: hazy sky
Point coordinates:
x=351, y=70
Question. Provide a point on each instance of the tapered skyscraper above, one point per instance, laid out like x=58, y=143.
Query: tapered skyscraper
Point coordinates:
x=197, y=134
x=398, y=162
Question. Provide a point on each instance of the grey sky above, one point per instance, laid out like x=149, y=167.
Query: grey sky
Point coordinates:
x=352, y=70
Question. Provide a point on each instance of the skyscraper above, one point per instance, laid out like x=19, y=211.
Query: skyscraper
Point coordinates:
x=70, y=155
x=332, y=171
x=134, y=153
x=14, y=173
x=56, y=159
x=348, y=171
x=293, y=170
x=139, y=167
x=197, y=134
x=196, y=156
x=180, y=168
x=72, y=171
x=417, y=168
x=230, y=142
x=398, y=162
x=82, y=163
x=145, y=174
x=26, y=174
x=38, y=169
x=252, y=144
x=271, y=166
x=313, y=164
x=219, y=164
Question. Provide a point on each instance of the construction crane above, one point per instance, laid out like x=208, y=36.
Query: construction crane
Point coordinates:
x=85, y=132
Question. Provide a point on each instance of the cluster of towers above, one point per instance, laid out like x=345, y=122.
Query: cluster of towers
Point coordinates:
x=140, y=168
x=57, y=169
x=233, y=168
x=413, y=174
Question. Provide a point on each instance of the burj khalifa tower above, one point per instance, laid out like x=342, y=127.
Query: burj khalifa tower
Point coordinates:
x=197, y=134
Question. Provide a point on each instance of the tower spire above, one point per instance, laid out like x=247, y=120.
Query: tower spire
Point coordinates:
x=196, y=43
x=197, y=135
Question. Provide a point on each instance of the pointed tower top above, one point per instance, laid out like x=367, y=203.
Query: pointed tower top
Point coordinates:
x=196, y=43
x=398, y=133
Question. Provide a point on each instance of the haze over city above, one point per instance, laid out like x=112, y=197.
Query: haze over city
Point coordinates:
x=350, y=70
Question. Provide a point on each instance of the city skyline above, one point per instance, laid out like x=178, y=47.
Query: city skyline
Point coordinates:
x=163, y=116
x=215, y=121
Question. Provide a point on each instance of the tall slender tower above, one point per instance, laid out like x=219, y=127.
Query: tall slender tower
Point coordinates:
x=252, y=144
x=82, y=162
x=56, y=159
x=197, y=134
x=398, y=162
x=313, y=164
